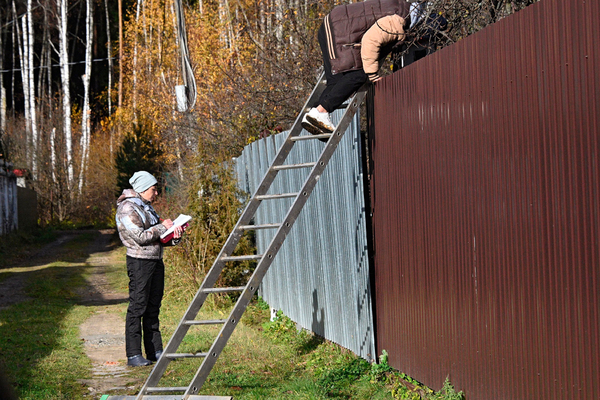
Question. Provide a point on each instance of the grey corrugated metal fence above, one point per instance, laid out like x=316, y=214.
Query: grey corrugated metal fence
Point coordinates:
x=320, y=278
x=486, y=190
x=8, y=199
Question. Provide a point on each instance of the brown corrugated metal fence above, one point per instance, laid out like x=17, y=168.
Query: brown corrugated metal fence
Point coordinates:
x=485, y=200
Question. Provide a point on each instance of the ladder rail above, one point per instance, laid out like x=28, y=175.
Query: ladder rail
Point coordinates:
x=265, y=260
x=273, y=248
x=232, y=241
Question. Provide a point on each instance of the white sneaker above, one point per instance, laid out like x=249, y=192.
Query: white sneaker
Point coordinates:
x=320, y=120
x=310, y=127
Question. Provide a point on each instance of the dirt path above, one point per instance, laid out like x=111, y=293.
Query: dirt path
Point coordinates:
x=103, y=333
x=12, y=289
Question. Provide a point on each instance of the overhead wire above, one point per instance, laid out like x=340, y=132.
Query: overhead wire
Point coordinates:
x=58, y=65
x=187, y=99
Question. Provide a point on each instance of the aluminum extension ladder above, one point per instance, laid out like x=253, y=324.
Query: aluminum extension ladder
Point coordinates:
x=150, y=390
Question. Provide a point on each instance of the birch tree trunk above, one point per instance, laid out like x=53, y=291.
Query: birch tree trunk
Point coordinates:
x=279, y=10
x=32, y=103
x=135, y=54
x=226, y=20
x=147, y=38
x=41, y=78
x=227, y=35
x=2, y=89
x=22, y=46
x=262, y=23
x=14, y=35
x=110, y=62
x=53, y=154
x=47, y=56
x=66, y=95
x=224, y=36
x=85, y=118
x=2, y=106
x=120, y=94
x=110, y=71
x=54, y=183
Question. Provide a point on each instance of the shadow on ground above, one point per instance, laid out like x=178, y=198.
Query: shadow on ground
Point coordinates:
x=37, y=295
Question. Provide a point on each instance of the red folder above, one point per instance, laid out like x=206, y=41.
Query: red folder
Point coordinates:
x=170, y=235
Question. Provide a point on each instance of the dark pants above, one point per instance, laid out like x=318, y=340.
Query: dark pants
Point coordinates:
x=339, y=86
x=146, y=288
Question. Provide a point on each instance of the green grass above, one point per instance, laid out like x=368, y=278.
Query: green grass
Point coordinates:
x=41, y=350
x=44, y=357
x=15, y=247
x=116, y=270
x=268, y=360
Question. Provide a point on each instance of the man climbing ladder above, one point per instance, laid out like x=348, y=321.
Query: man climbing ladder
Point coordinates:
x=354, y=39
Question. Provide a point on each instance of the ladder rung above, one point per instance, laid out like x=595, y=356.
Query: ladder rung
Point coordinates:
x=242, y=258
x=185, y=355
x=263, y=226
x=165, y=389
x=310, y=137
x=206, y=322
x=224, y=289
x=294, y=166
x=276, y=196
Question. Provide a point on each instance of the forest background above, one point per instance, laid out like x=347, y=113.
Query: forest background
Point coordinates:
x=87, y=97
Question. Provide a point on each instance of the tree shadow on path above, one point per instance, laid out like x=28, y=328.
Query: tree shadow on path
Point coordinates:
x=37, y=298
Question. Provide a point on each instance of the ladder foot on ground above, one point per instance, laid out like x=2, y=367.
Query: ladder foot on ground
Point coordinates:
x=162, y=397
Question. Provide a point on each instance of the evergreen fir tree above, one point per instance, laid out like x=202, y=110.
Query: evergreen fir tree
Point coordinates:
x=139, y=151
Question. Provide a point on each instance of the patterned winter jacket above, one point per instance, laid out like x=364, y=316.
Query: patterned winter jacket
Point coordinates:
x=358, y=34
x=139, y=226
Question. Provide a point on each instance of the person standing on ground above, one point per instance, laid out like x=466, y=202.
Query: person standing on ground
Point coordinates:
x=140, y=229
x=354, y=39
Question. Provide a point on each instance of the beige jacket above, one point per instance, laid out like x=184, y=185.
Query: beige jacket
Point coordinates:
x=385, y=31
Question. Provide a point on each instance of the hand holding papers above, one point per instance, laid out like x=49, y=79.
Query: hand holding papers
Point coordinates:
x=182, y=221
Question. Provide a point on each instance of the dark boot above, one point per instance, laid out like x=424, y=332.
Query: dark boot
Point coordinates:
x=155, y=356
x=137, y=361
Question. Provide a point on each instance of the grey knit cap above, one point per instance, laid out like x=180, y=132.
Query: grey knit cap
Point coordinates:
x=142, y=181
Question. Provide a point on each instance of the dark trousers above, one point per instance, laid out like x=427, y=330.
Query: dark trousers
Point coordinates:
x=339, y=86
x=146, y=288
